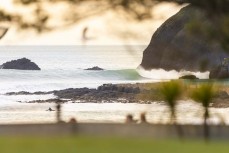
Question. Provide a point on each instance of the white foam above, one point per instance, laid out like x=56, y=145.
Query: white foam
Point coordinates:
x=161, y=74
x=8, y=100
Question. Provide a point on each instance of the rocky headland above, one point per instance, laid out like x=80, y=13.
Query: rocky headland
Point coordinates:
x=174, y=47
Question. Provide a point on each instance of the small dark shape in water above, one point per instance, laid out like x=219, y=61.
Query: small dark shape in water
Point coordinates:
x=189, y=77
x=96, y=68
x=50, y=109
x=20, y=64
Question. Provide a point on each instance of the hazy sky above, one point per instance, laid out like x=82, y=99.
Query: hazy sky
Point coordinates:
x=106, y=29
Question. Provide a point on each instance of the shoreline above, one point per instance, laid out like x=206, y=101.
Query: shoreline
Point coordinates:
x=141, y=93
x=106, y=93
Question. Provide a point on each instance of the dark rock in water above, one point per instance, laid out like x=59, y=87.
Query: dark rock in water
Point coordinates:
x=20, y=64
x=50, y=109
x=119, y=88
x=189, y=77
x=28, y=93
x=136, y=90
x=220, y=72
x=72, y=93
x=47, y=101
x=19, y=93
x=96, y=68
x=173, y=47
x=104, y=93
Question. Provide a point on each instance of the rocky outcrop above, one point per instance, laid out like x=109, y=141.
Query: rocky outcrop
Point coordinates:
x=96, y=68
x=119, y=88
x=189, y=77
x=20, y=64
x=104, y=93
x=110, y=93
x=173, y=47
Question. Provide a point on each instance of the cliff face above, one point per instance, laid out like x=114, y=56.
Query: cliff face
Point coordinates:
x=172, y=47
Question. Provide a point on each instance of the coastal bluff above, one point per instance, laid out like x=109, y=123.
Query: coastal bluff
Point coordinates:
x=174, y=47
x=20, y=64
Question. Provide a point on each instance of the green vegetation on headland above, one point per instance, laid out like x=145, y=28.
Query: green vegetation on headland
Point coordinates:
x=84, y=144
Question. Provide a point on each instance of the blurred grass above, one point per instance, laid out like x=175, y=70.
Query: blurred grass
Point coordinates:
x=106, y=145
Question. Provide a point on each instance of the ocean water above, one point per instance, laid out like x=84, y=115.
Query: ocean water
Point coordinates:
x=63, y=67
